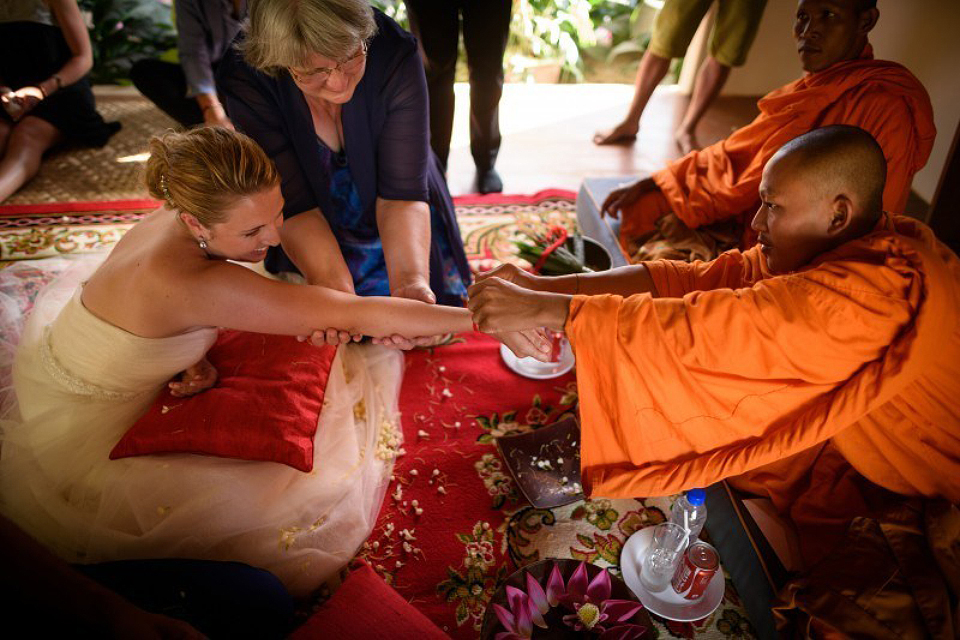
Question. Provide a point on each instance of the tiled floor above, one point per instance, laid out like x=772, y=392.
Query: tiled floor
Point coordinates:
x=547, y=132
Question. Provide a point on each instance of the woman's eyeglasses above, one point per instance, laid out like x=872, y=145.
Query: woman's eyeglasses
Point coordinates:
x=320, y=75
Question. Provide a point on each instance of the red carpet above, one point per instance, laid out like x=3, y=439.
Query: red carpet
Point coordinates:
x=455, y=525
x=455, y=400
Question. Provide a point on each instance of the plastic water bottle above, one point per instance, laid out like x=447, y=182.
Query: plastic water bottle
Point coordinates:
x=690, y=512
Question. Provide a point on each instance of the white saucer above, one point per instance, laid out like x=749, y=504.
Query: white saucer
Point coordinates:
x=533, y=368
x=668, y=603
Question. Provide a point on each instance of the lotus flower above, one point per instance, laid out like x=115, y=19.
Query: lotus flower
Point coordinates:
x=593, y=610
x=525, y=610
x=592, y=606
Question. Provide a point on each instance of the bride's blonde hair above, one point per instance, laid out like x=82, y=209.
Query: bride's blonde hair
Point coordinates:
x=203, y=171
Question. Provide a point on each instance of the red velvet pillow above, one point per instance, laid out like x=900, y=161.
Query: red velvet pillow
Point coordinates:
x=264, y=406
x=366, y=608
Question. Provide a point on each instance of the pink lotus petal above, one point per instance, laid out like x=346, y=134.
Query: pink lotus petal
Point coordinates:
x=535, y=614
x=620, y=610
x=516, y=599
x=599, y=589
x=624, y=632
x=506, y=618
x=537, y=595
x=577, y=584
x=524, y=621
x=555, y=587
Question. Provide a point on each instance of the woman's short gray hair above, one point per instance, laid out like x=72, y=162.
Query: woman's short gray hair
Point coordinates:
x=284, y=33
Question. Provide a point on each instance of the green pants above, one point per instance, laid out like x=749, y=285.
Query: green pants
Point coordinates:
x=733, y=32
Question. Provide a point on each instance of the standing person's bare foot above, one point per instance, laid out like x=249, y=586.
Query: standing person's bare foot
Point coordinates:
x=686, y=140
x=624, y=133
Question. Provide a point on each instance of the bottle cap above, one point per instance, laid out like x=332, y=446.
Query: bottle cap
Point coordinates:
x=696, y=497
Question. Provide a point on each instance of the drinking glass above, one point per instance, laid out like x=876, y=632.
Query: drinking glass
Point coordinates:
x=661, y=558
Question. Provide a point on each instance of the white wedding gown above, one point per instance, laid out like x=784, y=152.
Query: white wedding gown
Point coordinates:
x=81, y=383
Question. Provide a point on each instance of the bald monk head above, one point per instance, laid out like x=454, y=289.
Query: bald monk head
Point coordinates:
x=818, y=191
x=831, y=31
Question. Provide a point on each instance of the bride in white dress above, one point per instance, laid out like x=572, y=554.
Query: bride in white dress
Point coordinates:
x=93, y=357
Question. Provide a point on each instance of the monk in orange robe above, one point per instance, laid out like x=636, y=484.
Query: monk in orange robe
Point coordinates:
x=843, y=84
x=835, y=339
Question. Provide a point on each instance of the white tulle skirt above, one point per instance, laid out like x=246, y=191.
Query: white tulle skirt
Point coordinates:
x=81, y=382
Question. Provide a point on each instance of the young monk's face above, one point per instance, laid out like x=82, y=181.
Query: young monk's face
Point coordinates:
x=794, y=219
x=252, y=226
x=830, y=31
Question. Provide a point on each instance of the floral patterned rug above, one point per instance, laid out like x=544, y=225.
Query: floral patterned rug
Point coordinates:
x=455, y=525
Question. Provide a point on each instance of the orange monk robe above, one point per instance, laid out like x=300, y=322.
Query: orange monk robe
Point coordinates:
x=733, y=369
x=722, y=181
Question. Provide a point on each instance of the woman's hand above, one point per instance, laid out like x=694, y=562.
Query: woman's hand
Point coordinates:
x=623, y=197
x=22, y=101
x=415, y=289
x=332, y=337
x=195, y=379
x=131, y=622
x=214, y=115
x=512, y=273
x=498, y=305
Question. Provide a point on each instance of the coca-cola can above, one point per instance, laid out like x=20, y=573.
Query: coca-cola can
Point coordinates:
x=697, y=566
x=557, y=343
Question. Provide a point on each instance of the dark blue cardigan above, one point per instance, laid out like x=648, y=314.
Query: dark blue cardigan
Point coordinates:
x=385, y=129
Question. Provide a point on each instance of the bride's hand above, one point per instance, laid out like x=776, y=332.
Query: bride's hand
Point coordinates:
x=531, y=342
x=195, y=379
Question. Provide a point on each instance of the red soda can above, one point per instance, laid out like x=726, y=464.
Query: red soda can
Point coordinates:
x=556, y=345
x=700, y=561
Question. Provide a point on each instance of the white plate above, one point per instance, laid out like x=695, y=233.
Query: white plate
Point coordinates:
x=668, y=603
x=532, y=368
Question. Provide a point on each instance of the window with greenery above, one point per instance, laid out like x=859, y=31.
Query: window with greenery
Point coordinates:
x=124, y=31
x=583, y=40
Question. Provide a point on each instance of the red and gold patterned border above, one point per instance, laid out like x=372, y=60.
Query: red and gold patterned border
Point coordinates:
x=488, y=225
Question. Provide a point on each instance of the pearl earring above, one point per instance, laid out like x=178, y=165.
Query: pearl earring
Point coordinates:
x=203, y=244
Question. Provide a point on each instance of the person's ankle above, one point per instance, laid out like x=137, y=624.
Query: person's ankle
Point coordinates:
x=488, y=181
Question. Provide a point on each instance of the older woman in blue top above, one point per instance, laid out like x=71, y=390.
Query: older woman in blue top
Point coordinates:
x=335, y=93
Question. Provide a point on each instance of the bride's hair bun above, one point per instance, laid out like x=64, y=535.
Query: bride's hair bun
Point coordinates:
x=203, y=171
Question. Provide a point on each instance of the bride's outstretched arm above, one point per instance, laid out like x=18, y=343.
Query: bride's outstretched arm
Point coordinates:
x=228, y=295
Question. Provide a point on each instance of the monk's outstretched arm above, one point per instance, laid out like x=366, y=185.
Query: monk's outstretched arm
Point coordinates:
x=660, y=278
x=682, y=392
x=624, y=281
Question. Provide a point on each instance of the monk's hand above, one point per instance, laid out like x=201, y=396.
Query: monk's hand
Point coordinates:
x=621, y=198
x=532, y=343
x=195, y=379
x=498, y=305
x=512, y=273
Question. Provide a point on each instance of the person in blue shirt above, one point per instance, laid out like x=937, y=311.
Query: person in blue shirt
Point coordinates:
x=334, y=91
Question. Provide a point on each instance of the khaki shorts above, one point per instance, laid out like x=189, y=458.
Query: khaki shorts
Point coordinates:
x=733, y=31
